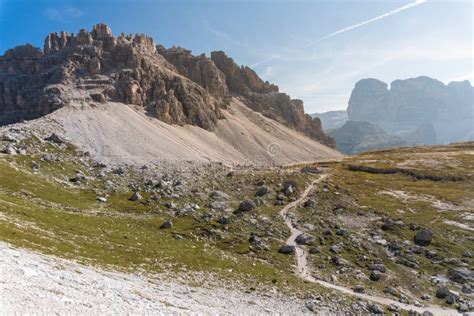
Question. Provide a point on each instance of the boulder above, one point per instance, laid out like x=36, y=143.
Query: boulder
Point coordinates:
x=304, y=239
x=461, y=275
x=287, y=249
x=246, y=206
x=166, y=224
x=442, y=292
x=263, y=190
x=423, y=237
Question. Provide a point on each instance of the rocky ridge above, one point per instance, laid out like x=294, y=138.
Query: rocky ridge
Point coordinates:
x=170, y=84
x=419, y=103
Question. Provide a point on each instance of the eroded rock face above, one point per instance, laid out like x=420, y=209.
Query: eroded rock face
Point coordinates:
x=264, y=97
x=422, y=110
x=96, y=66
x=171, y=84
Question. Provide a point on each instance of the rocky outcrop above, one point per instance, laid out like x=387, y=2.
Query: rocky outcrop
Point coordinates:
x=170, y=84
x=199, y=69
x=355, y=137
x=411, y=107
x=332, y=119
x=98, y=67
x=264, y=97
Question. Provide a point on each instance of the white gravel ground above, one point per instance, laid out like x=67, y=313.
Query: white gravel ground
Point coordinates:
x=31, y=283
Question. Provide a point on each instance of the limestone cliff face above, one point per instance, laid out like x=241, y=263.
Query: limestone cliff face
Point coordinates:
x=264, y=97
x=171, y=84
x=412, y=104
x=98, y=67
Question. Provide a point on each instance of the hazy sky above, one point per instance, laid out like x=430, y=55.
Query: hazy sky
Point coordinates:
x=313, y=50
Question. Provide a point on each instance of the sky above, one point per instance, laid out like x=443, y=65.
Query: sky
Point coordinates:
x=313, y=50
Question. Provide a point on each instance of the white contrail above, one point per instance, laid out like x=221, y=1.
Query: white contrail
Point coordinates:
x=397, y=10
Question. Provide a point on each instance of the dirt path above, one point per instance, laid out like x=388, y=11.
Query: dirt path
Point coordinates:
x=302, y=269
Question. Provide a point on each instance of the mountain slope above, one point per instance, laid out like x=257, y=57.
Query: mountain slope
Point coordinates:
x=95, y=68
x=356, y=137
x=119, y=134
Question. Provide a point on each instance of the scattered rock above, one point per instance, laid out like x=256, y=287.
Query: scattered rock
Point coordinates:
x=218, y=205
x=423, y=237
x=425, y=297
x=312, y=306
x=336, y=248
x=375, y=309
x=102, y=199
x=394, y=307
x=442, y=292
x=246, y=206
x=135, y=196
x=54, y=138
x=309, y=203
x=359, y=289
x=375, y=275
x=219, y=195
x=314, y=250
x=224, y=220
x=166, y=224
x=287, y=249
x=452, y=297
x=79, y=177
x=48, y=158
x=388, y=224
x=304, y=239
x=263, y=190
x=461, y=275
x=377, y=267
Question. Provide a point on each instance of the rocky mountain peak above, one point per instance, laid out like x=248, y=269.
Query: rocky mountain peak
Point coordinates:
x=413, y=103
x=171, y=84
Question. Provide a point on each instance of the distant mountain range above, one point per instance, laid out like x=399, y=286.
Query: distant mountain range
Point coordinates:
x=418, y=111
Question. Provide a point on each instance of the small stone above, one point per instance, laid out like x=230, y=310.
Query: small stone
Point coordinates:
x=166, y=224
x=311, y=306
x=388, y=224
x=102, y=199
x=219, y=195
x=314, y=250
x=342, y=232
x=377, y=267
x=135, y=196
x=246, y=206
x=309, y=203
x=425, y=297
x=375, y=275
x=393, y=307
x=452, y=298
x=359, y=289
x=263, y=190
x=53, y=138
x=375, y=309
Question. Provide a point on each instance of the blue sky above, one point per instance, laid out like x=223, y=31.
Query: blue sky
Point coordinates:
x=280, y=39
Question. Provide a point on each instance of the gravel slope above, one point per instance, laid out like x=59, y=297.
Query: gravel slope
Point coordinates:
x=118, y=134
x=39, y=284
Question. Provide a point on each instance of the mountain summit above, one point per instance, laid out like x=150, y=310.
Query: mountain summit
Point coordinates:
x=171, y=85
